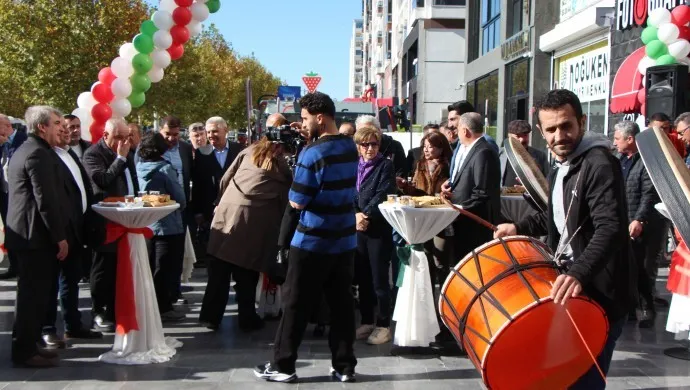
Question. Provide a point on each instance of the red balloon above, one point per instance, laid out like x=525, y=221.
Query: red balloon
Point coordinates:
x=180, y=34
x=184, y=3
x=641, y=95
x=684, y=33
x=176, y=51
x=182, y=16
x=102, y=93
x=96, y=130
x=680, y=16
x=101, y=112
x=106, y=76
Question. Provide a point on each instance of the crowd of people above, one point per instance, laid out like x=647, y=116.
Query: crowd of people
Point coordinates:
x=320, y=216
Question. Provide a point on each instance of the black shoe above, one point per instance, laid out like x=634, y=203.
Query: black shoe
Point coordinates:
x=343, y=377
x=446, y=348
x=319, y=330
x=40, y=348
x=256, y=323
x=10, y=274
x=53, y=341
x=648, y=321
x=210, y=325
x=101, y=324
x=266, y=372
x=85, y=334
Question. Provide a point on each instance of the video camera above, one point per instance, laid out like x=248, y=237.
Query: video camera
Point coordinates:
x=290, y=138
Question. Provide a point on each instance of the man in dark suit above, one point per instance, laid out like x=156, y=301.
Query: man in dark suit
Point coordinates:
x=474, y=184
x=111, y=170
x=5, y=132
x=36, y=231
x=76, y=143
x=521, y=129
x=78, y=197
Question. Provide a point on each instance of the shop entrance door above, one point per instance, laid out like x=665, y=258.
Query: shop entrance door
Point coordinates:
x=517, y=108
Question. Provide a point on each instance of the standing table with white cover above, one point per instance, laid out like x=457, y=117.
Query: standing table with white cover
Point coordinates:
x=414, y=314
x=139, y=337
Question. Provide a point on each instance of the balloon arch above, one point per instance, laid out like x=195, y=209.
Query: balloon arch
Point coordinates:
x=142, y=62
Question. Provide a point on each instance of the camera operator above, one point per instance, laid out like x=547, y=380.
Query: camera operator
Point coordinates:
x=322, y=249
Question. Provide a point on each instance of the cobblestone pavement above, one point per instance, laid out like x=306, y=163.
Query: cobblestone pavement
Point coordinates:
x=224, y=359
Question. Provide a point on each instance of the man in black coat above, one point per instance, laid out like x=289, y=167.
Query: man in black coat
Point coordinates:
x=521, y=130
x=587, y=204
x=112, y=173
x=78, y=197
x=36, y=231
x=646, y=229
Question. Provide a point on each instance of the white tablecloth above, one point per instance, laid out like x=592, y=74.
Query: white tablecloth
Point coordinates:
x=414, y=314
x=148, y=344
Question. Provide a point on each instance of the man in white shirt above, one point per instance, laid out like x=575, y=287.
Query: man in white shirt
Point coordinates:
x=77, y=197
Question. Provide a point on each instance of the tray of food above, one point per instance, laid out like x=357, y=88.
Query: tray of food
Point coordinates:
x=157, y=200
x=417, y=201
x=513, y=191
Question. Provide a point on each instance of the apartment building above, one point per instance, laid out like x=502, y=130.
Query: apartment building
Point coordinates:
x=356, y=77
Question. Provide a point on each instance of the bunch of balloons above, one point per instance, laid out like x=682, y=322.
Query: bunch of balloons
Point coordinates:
x=666, y=42
x=123, y=85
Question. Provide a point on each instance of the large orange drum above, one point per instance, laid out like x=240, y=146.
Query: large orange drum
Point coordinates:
x=497, y=304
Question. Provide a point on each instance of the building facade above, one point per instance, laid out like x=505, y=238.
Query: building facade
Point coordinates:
x=356, y=76
x=505, y=69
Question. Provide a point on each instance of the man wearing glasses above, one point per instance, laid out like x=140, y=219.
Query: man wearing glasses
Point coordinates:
x=76, y=143
x=663, y=122
x=682, y=125
x=199, y=138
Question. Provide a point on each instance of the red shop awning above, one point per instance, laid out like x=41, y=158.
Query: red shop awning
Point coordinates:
x=626, y=84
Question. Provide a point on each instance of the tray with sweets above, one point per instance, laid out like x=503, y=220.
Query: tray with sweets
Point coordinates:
x=513, y=191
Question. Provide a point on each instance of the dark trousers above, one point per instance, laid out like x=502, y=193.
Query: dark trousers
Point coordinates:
x=372, y=267
x=655, y=237
x=66, y=287
x=11, y=256
x=103, y=273
x=86, y=261
x=218, y=288
x=309, y=275
x=37, y=271
x=592, y=379
x=166, y=254
x=644, y=282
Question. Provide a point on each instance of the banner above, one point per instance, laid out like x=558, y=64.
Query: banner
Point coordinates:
x=634, y=13
x=586, y=74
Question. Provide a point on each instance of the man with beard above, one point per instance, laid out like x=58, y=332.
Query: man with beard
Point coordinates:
x=587, y=220
x=322, y=249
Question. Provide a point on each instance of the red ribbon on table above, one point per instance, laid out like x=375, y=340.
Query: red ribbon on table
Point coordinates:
x=125, y=301
x=679, y=274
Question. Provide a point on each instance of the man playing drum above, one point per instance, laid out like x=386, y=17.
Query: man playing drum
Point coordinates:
x=586, y=221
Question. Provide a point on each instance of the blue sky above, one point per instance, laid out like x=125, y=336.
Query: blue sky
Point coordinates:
x=291, y=38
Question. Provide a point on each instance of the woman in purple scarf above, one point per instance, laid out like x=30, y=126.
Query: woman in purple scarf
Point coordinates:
x=375, y=180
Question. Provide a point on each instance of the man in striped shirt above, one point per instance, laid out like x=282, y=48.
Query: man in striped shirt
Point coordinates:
x=322, y=250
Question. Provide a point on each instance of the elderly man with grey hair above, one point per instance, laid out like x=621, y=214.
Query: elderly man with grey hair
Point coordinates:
x=36, y=230
x=390, y=148
x=682, y=125
x=111, y=170
x=646, y=232
x=199, y=138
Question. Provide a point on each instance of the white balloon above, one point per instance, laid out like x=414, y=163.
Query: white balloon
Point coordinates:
x=128, y=51
x=200, y=11
x=163, y=20
x=86, y=101
x=122, y=68
x=667, y=33
x=156, y=74
x=644, y=81
x=162, y=39
x=167, y=5
x=679, y=49
x=194, y=28
x=161, y=58
x=658, y=17
x=121, y=107
x=685, y=61
x=121, y=88
x=645, y=63
x=85, y=133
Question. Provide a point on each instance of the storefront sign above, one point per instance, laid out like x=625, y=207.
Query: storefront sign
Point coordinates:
x=516, y=45
x=587, y=74
x=571, y=7
x=632, y=13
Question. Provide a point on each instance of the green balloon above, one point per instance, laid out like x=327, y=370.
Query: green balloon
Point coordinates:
x=143, y=43
x=149, y=28
x=666, y=59
x=654, y=49
x=141, y=82
x=142, y=63
x=649, y=34
x=213, y=6
x=137, y=99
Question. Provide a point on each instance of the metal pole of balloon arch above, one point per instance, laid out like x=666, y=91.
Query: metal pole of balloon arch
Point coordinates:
x=666, y=43
x=122, y=86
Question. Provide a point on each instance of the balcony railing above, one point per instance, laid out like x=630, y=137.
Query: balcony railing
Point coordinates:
x=450, y=2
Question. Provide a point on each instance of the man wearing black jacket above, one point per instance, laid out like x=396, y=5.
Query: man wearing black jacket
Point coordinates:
x=588, y=210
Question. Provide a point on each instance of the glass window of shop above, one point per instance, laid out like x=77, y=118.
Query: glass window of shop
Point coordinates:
x=517, y=91
x=483, y=94
x=491, y=25
x=586, y=72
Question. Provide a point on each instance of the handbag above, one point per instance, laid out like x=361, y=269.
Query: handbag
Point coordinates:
x=268, y=298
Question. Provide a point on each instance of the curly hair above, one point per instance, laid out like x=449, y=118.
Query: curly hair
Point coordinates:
x=318, y=103
x=558, y=98
x=152, y=147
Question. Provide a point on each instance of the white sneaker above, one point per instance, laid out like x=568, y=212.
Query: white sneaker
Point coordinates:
x=379, y=336
x=364, y=331
x=342, y=377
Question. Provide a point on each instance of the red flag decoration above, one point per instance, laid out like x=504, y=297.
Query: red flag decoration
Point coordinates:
x=311, y=80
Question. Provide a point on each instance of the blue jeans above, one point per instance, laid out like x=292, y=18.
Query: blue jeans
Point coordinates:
x=592, y=379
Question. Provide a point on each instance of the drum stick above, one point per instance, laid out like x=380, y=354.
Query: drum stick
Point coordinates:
x=470, y=215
